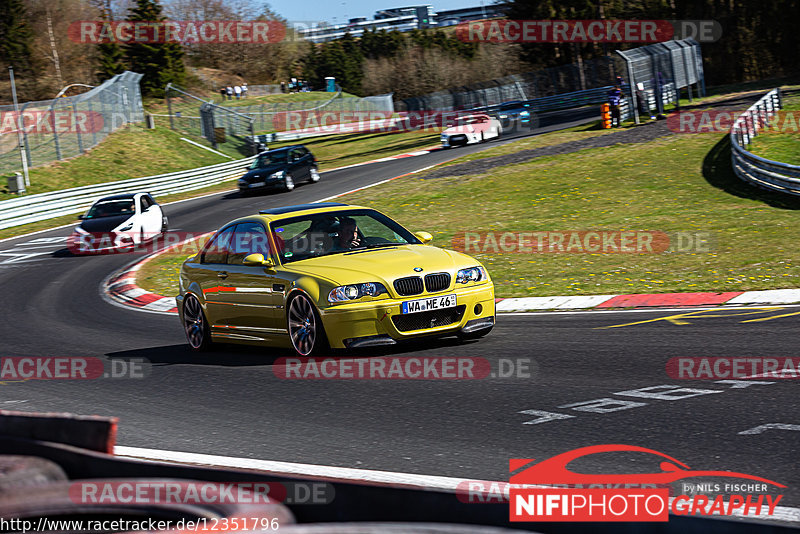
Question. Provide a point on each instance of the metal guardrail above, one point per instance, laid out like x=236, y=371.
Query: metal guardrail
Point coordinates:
x=758, y=171
x=43, y=206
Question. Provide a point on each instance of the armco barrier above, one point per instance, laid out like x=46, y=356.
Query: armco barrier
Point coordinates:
x=758, y=171
x=45, y=206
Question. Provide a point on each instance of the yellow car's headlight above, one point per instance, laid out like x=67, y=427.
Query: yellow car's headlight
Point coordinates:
x=472, y=274
x=356, y=291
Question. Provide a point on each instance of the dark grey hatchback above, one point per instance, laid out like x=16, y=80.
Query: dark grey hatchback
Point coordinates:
x=281, y=168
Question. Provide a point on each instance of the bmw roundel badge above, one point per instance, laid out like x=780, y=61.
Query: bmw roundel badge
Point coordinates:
x=417, y=269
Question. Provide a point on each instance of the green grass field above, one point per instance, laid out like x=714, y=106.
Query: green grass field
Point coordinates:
x=334, y=151
x=279, y=98
x=781, y=142
x=681, y=183
x=131, y=152
x=677, y=184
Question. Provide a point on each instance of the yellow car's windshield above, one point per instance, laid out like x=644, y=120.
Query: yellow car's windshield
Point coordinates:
x=321, y=234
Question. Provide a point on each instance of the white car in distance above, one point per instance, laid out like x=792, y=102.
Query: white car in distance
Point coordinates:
x=469, y=129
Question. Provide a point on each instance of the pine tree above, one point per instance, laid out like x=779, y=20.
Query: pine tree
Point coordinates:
x=160, y=63
x=111, y=61
x=16, y=36
x=111, y=58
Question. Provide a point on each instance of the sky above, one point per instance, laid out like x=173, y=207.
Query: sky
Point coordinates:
x=340, y=10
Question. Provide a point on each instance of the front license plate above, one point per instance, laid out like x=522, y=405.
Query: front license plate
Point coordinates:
x=256, y=184
x=433, y=303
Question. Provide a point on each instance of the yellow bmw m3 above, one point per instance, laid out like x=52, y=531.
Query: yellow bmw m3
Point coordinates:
x=329, y=275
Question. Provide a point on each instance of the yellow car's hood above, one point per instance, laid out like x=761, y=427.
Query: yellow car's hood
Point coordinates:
x=383, y=264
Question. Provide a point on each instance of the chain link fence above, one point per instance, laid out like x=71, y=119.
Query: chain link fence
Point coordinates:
x=589, y=74
x=656, y=73
x=61, y=128
x=239, y=124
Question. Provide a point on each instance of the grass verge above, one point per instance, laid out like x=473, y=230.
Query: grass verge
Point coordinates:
x=131, y=152
x=681, y=183
x=340, y=150
x=676, y=184
x=781, y=142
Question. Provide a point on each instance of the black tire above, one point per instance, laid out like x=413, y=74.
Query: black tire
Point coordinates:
x=305, y=328
x=19, y=472
x=288, y=182
x=195, y=324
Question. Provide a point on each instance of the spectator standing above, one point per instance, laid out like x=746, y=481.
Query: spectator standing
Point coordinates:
x=229, y=92
x=237, y=91
x=244, y=89
x=283, y=87
x=614, y=101
x=223, y=92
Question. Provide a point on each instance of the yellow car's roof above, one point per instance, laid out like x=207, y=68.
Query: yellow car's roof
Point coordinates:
x=273, y=214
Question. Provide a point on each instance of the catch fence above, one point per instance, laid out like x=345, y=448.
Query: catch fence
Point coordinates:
x=57, y=129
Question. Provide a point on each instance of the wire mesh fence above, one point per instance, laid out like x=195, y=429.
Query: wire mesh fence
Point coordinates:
x=656, y=73
x=61, y=128
x=239, y=124
x=587, y=74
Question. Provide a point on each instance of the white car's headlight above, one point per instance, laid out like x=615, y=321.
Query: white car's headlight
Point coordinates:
x=356, y=291
x=503, y=116
x=472, y=274
x=126, y=227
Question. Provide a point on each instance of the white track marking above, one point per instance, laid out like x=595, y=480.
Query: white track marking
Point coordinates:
x=649, y=310
x=347, y=474
x=373, y=185
x=289, y=468
x=206, y=148
x=769, y=296
x=769, y=426
x=549, y=303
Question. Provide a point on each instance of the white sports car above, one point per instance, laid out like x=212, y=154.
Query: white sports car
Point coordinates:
x=475, y=128
x=118, y=222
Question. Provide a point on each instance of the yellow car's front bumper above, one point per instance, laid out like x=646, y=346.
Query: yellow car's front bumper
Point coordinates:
x=381, y=322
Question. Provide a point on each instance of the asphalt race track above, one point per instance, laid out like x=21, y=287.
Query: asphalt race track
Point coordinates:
x=231, y=403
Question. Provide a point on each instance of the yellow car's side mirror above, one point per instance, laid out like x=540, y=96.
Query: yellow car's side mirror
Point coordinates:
x=425, y=237
x=259, y=260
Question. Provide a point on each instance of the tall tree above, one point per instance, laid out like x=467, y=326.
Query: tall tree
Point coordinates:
x=161, y=63
x=16, y=36
x=111, y=59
